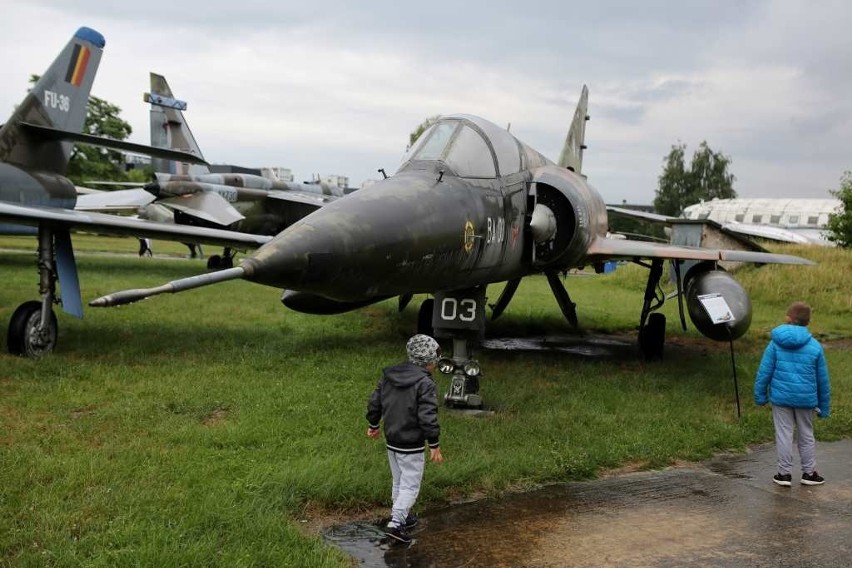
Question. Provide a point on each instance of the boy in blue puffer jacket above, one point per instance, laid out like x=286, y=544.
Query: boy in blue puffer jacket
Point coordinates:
x=793, y=376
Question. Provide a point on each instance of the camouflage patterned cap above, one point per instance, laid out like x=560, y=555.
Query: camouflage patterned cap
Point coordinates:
x=422, y=349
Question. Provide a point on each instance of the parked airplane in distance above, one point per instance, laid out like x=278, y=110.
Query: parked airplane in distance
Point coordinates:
x=190, y=194
x=788, y=220
x=37, y=199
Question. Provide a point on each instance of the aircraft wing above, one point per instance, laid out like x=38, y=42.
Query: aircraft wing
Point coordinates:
x=206, y=205
x=116, y=225
x=304, y=197
x=766, y=232
x=119, y=200
x=644, y=215
x=607, y=249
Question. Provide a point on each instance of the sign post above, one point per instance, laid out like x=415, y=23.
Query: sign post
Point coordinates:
x=721, y=314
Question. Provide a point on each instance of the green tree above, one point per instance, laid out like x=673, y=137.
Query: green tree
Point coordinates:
x=95, y=163
x=91, y=162
x=412, y=138
x=706, y=178
x=839, y=227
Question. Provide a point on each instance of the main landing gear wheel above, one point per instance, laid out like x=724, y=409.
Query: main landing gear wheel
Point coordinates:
x=25, y=337
x=217, y=262
x=653, y=336
x=424, y=317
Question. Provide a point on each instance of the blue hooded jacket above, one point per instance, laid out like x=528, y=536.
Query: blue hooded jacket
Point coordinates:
x=793, y=371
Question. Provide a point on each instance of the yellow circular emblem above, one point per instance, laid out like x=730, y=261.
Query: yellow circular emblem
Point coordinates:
x=468, y=236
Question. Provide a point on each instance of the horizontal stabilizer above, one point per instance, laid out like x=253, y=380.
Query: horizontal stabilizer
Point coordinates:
x=48, y=133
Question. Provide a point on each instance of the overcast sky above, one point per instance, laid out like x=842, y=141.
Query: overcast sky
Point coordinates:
x=335, y=87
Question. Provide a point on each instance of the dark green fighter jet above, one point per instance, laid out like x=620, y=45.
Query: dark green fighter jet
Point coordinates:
x=37, y=199
x=471, y=205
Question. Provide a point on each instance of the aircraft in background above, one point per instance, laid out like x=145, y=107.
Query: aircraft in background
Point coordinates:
x=37, y=199
x=190, y=194
x=801, y=221
x=472, y=205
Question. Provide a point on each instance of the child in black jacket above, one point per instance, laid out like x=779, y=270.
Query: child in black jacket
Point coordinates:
x=406, y=400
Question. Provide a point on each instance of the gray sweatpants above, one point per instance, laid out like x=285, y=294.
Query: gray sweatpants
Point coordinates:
x=407, y=472
x=802, y=419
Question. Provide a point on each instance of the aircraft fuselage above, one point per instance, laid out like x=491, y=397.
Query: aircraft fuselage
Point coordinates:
x=20, y=186
x=422, y=231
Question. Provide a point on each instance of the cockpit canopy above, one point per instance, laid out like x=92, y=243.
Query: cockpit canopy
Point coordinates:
x=470, y=146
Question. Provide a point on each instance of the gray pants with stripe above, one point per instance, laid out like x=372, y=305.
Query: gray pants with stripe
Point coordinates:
x=407, y=472
x=786, y=420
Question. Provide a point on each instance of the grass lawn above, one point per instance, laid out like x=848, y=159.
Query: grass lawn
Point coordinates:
x=216, y=427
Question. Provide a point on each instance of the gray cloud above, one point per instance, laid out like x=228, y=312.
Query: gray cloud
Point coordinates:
x=335, y=87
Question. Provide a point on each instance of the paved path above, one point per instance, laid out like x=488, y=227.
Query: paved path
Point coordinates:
x=724, y=512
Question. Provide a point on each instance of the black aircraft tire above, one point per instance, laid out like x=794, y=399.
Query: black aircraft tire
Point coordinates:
x=424, y=317
x=653, y=337
x=22, y=337
x=226, y=262
x=214, y=262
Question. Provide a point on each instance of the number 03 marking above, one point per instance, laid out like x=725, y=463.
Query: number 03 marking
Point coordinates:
x=463, y=310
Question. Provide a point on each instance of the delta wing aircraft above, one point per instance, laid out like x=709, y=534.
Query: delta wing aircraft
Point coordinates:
x=471, y=205
x=192, y=195
x=36, y=198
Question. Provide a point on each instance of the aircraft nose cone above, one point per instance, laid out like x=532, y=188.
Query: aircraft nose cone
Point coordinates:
x=373, y=242
x=288, y=260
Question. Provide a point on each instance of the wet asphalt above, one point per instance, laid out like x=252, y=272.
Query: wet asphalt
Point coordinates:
x=723, y=512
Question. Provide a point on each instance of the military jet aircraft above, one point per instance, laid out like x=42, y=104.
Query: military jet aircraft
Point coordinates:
x=36, y=198
x=471, y=205
x=192, y=195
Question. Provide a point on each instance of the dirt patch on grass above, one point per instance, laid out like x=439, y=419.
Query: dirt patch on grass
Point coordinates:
x=81, y=412
x=631, y=467
x=844, y=344
x=313, y=517
x=216, y=417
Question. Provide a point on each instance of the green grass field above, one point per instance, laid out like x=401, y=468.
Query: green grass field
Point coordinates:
x=216, y=427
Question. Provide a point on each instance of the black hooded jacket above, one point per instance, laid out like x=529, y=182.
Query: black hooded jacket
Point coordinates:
x=406, y=400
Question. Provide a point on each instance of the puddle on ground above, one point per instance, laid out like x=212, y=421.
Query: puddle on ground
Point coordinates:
x=725, y=512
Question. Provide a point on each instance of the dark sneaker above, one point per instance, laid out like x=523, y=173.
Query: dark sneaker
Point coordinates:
x=398, y=533
x=812, y=479
x=784, y=479
x=410, y=521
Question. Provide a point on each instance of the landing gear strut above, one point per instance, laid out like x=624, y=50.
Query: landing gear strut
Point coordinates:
x=33, y=329
x=652, y=326
x=459, y=315
x=464, y=383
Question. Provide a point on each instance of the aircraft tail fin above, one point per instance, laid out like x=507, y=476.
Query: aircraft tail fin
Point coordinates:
x=572, y=152
x=58, y=101
x=169, y=128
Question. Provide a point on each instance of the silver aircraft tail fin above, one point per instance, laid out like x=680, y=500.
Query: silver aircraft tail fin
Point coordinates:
x=58, y=101
x=169, y=128
x=572, y=152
